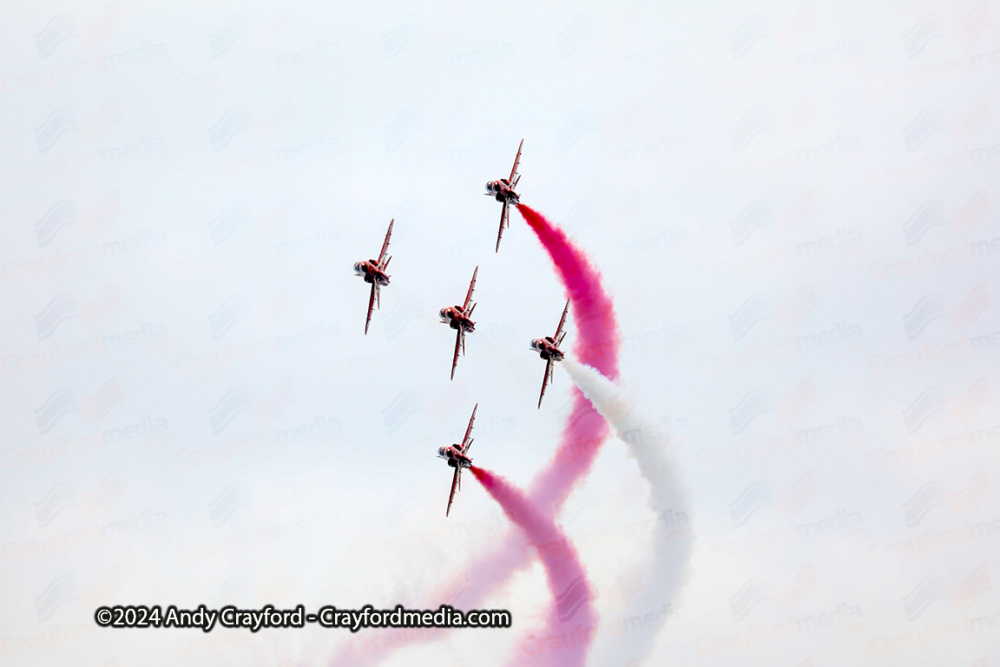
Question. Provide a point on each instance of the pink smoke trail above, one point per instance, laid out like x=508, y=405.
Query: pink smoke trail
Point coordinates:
x=597, y=342
x=565, y=574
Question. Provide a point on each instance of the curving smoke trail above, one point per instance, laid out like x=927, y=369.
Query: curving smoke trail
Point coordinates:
x=565, y=574
x=597, y=341
x=672, y=539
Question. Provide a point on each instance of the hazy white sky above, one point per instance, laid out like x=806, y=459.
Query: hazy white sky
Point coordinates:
x=791, y=204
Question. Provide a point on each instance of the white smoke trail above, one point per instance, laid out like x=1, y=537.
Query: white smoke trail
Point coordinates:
x=668, y=498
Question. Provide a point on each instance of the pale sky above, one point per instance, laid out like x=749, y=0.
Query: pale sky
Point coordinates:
x=790, y=203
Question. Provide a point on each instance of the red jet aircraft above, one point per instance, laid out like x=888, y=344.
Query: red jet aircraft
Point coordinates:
x=548, y=349
x=460, y=318
x=503, y=190
x=373, y=271
x=457, y=457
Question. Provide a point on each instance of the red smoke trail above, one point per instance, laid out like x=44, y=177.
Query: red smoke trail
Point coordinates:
x=597, y=342
x=563, y=570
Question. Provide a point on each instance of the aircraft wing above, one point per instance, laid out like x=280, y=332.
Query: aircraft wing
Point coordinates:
x=454, y=486
x=472, y=286
x=513, y=172
x=468, y=431
x=503, y=222
x=385, y=244
x=545, y=380
x=458, y=346
x=562, y=321
x=371, y=303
